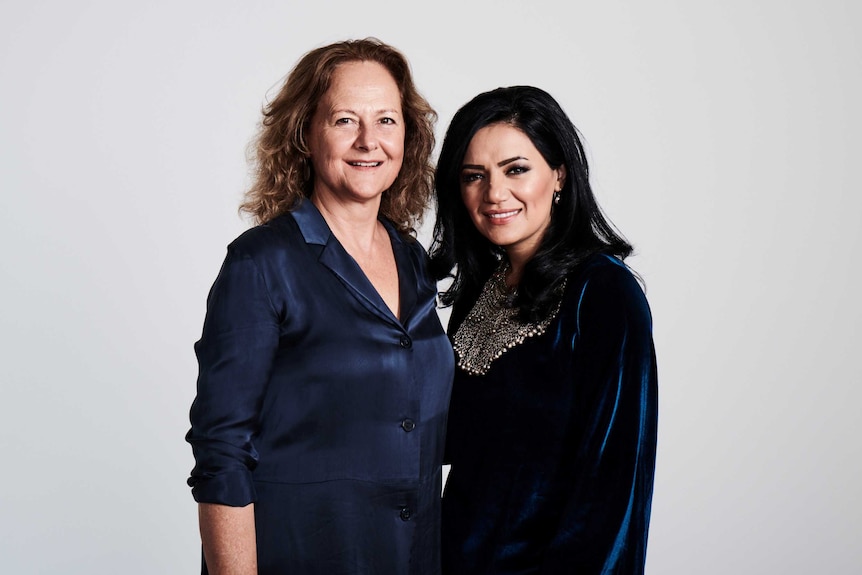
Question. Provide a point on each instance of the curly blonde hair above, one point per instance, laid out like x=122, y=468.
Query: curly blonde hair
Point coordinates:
x=283, y=174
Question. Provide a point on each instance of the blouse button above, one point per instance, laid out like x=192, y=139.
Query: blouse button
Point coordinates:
x=406, y=514
x=405, y=342
x=408, y=425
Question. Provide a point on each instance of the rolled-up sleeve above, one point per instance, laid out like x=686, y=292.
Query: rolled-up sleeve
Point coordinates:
x=235, y=357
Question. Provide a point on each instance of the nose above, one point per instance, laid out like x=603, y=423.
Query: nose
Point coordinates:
x=366, y=139
x=495, y=189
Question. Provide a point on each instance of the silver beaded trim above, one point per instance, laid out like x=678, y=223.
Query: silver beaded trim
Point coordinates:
x=492, y=326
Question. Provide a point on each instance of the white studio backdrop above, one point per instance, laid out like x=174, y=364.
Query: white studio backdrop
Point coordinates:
x=723, y=138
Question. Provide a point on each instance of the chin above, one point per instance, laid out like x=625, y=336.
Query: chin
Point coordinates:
x=499, y=240
x=366, y=193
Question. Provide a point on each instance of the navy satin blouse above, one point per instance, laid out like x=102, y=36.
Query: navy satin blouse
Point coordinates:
x=553, y=449
x=320, y=406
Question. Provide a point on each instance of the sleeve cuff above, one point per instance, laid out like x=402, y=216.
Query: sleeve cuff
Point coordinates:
x=233, y=488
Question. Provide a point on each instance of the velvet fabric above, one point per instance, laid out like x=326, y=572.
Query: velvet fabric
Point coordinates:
x=553, y=449
x=322, y=408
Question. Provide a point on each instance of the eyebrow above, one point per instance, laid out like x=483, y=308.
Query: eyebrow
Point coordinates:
x=499, y=164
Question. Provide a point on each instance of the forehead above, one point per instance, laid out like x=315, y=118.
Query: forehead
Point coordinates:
x=364, y=84
x=500, y=139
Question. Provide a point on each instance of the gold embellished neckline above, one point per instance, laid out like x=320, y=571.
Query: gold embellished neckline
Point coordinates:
x=492, y=327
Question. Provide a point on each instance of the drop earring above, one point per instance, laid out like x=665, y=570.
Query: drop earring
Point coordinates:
x=557, y=197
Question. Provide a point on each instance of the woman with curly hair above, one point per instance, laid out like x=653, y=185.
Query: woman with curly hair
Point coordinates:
x=325, y=374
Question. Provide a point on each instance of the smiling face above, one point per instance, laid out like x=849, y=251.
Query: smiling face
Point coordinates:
x=356, y=136
x=508, y=190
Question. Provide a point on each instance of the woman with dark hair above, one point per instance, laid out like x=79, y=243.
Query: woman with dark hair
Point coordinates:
x=552, y=422
x=325, y=374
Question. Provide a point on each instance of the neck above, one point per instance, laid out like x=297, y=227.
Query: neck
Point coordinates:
x=516, y=269
x=354, y=224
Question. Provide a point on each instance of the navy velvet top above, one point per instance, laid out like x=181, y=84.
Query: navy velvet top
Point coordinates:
x=320, y=406
x=553, y=449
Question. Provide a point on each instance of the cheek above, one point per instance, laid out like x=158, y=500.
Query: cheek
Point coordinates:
x=396, y=146
x=474, y=214
x=323, y=148
x=470, y=202
x=543, y=199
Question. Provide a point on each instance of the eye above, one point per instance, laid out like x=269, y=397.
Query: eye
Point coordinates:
x=470, y=177
x=388, y=121
x=343, y=121
x=516, y=170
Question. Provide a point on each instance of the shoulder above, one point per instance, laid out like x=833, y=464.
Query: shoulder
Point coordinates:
x=404, y=240
x=604, y=290
x=275, y=250
x=417, y=252
x=605, y=272
x=407, y=244
x=261, y=240
x=408, y=241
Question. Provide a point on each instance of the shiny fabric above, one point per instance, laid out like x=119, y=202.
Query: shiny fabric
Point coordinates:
x=318, y=405
x=553, y=449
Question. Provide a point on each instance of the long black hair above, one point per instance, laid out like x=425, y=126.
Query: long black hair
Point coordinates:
x=578, y=228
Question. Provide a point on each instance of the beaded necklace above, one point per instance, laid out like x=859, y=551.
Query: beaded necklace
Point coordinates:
x=492, y=327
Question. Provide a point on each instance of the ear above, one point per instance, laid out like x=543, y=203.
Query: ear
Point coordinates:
x=561, y=177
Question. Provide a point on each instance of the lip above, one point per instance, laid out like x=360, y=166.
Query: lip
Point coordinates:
x=500, y=217
x=364, y=164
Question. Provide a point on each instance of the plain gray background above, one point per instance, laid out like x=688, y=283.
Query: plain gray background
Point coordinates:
x=724, y=139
